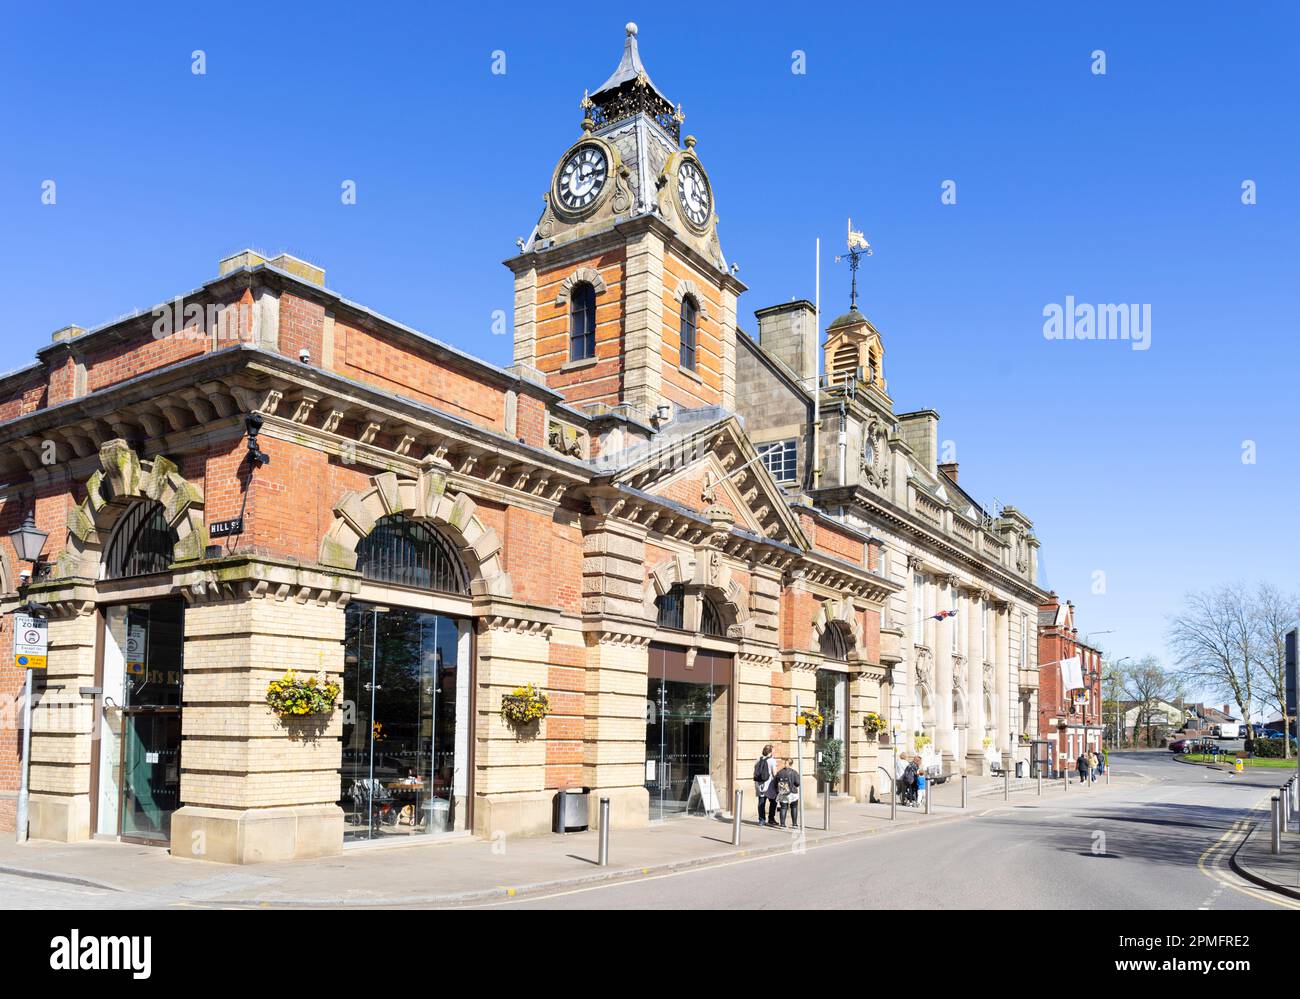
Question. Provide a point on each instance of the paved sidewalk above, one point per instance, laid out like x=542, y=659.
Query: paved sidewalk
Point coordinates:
x=1279, y=872
x=465, y=870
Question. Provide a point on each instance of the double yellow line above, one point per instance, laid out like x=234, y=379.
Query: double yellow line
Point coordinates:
x=1214, y=862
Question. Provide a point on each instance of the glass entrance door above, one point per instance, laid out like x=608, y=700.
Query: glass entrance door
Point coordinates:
x=687, y=731
x=140, y=727
x=832, y=702
x=405, y=723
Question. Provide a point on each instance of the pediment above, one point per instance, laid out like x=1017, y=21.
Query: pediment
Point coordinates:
x=714, y=467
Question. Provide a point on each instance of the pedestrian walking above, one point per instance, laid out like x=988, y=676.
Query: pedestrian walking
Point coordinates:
x=1092, y=767
x=787, y=792
x=922, y=783
x=1082, y=765
x=764, y=772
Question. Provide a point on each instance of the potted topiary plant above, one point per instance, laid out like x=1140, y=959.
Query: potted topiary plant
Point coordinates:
x=831, y=765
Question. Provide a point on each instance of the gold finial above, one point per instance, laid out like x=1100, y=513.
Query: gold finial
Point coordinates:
x=858, y=248
x=586, y=101
x=690, y=142
x=680, y=116
x=857, y=241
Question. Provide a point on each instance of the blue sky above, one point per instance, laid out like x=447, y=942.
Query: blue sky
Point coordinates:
x=1124, y=187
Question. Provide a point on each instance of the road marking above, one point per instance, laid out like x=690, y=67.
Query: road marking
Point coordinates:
x=1213, y=863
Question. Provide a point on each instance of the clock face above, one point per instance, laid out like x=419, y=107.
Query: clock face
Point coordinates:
x=582, y=177
x=693, y=192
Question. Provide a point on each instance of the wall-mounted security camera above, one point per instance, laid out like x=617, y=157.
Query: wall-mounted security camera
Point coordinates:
x=304, y=355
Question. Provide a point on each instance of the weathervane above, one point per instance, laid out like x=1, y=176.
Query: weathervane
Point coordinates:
x=858, y=248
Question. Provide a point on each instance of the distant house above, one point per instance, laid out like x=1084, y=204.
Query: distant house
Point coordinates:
x=1165, y=717
x=1208, y=716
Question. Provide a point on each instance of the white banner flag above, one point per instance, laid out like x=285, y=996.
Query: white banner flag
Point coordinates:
x=1072, y=673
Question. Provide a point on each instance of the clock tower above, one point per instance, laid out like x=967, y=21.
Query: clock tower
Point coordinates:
x=622, y=294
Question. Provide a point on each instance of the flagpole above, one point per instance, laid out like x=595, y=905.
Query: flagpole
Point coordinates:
x=815, y=463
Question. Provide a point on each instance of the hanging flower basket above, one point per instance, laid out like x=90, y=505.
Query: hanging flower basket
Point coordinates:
x=292, y=697
x=873, y=723
x=921, y=741
x=525, y=705
x=809, y=720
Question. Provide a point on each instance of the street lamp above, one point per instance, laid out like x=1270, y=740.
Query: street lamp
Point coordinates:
x=1119, y=723
x=28, y=539
x=28, y=542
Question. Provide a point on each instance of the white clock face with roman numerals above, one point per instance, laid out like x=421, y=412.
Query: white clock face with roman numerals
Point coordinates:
x=693, y=192
x=582, y=177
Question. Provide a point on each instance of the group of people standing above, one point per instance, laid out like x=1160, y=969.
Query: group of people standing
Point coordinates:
x=1090, y=765
x=777, y=789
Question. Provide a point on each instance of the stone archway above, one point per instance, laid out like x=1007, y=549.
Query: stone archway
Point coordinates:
x=840, y=614
x=121, y=478
x=703, y=575
x=425, y=499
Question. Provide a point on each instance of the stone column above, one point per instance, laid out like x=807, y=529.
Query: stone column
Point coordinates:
x=509, y=780
x=643, y=318
x=1006, y=683
x=256, y=787
x=727, y=322
x=862, y=752
x=968, y=620
x=63, y=721
x=616, y=637
x=946, y=733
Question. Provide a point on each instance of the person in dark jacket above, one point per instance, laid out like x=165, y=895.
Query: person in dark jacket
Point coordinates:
x=764, y=771
x=785, y=789
x=1082, y=764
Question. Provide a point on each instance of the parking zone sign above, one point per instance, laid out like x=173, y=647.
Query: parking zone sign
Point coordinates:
x=31, y=642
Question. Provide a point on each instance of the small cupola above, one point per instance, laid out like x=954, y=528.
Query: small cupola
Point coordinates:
x=854, y=351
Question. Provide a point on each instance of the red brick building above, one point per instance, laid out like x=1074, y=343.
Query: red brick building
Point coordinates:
x=1069, y=697
x=264, y=475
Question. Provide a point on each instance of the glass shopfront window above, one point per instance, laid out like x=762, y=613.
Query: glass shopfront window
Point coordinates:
x=138, y=779
x=405, y=723
x=687, y=730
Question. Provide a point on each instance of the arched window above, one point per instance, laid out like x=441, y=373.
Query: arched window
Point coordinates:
x=582, y=322
x=690, y=322
x=671, y=608
x=670, y=611
x=142, y=543
x=833, y=645
x=711, y=619
x=404, y=551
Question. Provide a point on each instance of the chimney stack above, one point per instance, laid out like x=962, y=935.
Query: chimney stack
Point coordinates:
x=949, y=468
x=789, y=333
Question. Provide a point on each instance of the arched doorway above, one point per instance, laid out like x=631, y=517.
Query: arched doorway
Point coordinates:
x=406, y=685
x=688, y=758
x=835, y=643
x=136, y=782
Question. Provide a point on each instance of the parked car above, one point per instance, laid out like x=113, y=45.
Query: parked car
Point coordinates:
x=1179, y=745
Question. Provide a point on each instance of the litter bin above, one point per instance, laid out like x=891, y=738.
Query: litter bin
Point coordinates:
x=570, y=811
x=1020, y=769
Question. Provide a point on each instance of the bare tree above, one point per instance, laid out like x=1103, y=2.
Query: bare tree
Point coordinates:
x=1112, y=690
x=1214, y=640
x=1146, y=684
x=1273, y=614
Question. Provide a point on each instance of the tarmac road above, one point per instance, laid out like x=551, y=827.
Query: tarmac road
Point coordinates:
x=1162, y=845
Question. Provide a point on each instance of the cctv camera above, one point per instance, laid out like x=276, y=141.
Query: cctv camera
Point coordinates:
x=304, y=355
x=25, y=575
